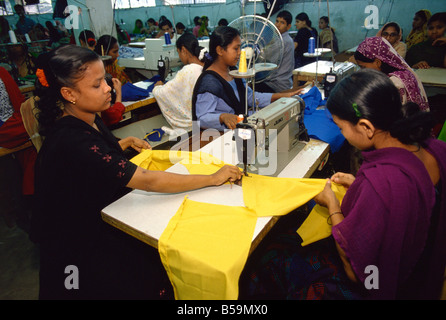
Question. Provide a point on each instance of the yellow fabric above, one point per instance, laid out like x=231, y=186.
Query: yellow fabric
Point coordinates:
x=315, y=227
x=205, y=246
x=162, y=160
x=204, y=249
x=270, y=196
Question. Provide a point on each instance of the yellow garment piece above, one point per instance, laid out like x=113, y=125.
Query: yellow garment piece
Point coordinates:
x=315, y=227
x=204, y=249
x=270, y=196
x=162, y=160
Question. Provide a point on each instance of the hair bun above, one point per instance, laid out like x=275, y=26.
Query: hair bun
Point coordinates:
x=414, y=126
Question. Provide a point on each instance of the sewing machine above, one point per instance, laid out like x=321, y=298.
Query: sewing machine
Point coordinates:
x=271, y=137
x=319, y=71
x=155, y=50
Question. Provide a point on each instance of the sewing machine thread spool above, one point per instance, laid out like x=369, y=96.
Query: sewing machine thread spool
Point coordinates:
x=311, y=45
x=240, y=118
x=167, y=38
x=242, y=67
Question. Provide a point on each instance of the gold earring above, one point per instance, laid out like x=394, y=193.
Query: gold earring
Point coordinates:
x=73, y=102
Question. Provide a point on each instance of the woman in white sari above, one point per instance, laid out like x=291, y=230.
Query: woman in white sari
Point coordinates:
x=175, y=96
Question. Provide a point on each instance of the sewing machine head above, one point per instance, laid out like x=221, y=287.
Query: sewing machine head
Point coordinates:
x=286, y=117
x=275, y=130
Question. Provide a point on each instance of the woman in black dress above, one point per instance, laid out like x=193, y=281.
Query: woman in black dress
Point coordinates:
x=81, y=168
x=304, y=33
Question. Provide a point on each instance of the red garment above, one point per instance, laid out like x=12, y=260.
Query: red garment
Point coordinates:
x=113, y=114
x=13, y=133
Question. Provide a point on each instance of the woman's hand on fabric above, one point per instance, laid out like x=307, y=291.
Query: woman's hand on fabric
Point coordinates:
x=158, y=83
x=421, y=65
x=135, y=143
x=227, y=173
x=287, y=94
x=229, y=120
x=344, y=179
x=327, y=198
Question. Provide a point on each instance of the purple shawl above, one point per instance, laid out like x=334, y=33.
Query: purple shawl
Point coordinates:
x=387, y=217
x=380, y=48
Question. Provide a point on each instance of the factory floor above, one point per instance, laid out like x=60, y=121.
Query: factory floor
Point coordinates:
x=19, y=257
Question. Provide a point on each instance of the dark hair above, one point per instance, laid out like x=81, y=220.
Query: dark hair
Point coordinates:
x=18, y=8
x=190, y=42
x=421, y=14
x=222, y=22
x=386, y=68
x=165, y=23
x=55, y=36
x=62, y=67
x=325, y=18
x=180, y=25
x=87, y=34
x=197, y=21
x=392, y=24
x=304, y=17
x=376, y=98
x=285, y=15
x=439, y=16
x=151, y=20
x=105, y=42
x=222, y=36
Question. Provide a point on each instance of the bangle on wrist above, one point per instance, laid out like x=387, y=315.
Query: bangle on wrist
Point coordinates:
x=332, y=214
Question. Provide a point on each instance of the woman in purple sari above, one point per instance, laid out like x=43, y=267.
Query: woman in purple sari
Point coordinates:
x=377, y=53
x=389, y=233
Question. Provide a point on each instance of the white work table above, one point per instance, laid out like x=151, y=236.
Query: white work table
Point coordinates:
x=145, y=215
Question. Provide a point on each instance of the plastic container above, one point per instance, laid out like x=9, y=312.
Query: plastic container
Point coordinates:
x=311, y=45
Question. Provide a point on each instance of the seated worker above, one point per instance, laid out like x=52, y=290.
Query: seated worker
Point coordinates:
x=151, y=26
x=432, y=52
x=377, y=53
x=166, y=26
x=419, y=28
x=203, y=31
x=304, y=33
x=327, y=35
x=12, y=129
x=197, y=25
x=24, y=61
x=175, y=97
x=109, y=46
x=392, y=32
x=219, y=98
x=281, y=78
x=139, y=27
x=56, y=37
x=113, y=114
x=391, y=217
x=24, y=24
x=89, y=172
x=87, y=39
